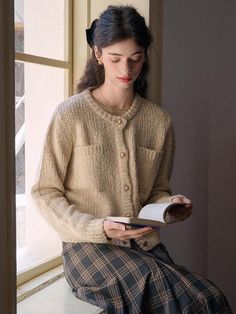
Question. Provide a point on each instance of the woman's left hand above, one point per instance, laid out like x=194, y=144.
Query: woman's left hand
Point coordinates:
x=187, y=210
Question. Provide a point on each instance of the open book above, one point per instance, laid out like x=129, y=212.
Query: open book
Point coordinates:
x=155, y=215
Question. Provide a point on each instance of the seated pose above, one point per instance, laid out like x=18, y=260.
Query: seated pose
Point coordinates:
x=108, y=152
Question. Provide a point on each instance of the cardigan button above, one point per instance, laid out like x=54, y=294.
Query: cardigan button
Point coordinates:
x=126, y=187
x=145, y=243
x=122, y=154
x=119, y=121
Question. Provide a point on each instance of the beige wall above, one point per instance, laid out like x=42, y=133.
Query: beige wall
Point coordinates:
x=98, y=6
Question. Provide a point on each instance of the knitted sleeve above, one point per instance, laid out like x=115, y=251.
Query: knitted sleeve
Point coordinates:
x=161, y=190
x=48, y=191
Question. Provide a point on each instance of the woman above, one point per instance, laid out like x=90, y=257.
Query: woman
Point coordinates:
x=109, y=151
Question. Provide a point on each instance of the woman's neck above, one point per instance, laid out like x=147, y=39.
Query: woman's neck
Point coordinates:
x=114, y=96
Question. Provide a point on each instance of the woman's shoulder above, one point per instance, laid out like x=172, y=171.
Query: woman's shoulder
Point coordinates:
x=70, y=110
x=156, y=110
x=72, y=103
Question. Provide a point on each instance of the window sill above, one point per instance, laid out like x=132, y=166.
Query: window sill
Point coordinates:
x=50, y=293
x=38, y=283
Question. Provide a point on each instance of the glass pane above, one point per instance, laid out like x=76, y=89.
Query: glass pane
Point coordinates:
x=38, y=24
x=39, y=89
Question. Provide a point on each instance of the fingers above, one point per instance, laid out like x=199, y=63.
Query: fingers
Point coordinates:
x=178, y=199
x=114, y=225
x=122, y=227
x=181, y=199
x=139, y=231
x=118, y=231
x=181, y=212
x=135, y=233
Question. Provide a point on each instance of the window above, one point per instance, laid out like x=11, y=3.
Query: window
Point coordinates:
x=43, y=75
x=43, y=78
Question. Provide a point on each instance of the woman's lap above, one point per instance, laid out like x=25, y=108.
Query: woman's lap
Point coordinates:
x=129, y=280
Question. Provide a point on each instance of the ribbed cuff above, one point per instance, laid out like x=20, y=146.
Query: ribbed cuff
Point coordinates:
x=96, y=231
x=149, y=241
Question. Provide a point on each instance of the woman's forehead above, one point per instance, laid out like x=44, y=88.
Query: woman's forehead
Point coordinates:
x=124, y=47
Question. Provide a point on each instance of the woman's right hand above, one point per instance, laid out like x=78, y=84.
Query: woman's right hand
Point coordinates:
x=115, y=230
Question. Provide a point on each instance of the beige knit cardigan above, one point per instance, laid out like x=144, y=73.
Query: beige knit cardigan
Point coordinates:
x=96, y=164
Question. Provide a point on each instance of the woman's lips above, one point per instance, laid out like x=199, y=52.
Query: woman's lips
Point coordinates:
x=125, y=79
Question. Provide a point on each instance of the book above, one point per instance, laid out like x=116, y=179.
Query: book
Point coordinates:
x=155, y=215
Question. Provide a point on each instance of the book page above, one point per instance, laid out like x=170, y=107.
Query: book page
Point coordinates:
x=164, y=213
x=154, y=211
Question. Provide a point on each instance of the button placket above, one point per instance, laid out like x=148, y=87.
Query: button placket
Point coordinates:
x=126, y=187
x=123, y=154
x=124, y=166
x=119, y=121
x=145, y=243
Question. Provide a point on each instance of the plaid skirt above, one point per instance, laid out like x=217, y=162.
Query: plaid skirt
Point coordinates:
x=128, y=280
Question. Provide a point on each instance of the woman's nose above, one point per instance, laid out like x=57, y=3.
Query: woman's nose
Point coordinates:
x=126, y=68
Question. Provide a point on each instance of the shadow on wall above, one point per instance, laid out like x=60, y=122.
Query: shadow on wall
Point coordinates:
x=198, y=89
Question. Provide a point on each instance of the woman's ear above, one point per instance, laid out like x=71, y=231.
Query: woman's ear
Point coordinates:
x=97, y=52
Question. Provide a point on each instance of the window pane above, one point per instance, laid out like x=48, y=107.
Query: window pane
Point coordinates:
x=41, y=28
x=39, y=89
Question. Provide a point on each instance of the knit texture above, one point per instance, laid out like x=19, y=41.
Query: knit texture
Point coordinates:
x=96, y=164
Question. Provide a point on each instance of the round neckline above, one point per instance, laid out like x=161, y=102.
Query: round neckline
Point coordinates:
x=109, y=107
x=106, y=106
x=128, y=114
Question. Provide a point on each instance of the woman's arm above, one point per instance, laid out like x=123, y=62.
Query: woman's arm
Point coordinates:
x=161, y=190
x=49, y=193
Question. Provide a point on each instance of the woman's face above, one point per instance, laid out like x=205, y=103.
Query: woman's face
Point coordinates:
x=122, y=62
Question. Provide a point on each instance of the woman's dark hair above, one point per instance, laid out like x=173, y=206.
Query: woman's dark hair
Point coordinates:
x=117, y=23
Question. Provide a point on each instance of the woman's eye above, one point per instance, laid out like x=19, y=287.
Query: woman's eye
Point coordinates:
x=134, y=60
x=130, y=60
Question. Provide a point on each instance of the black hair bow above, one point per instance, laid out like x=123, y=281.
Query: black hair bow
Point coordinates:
x=90, y=33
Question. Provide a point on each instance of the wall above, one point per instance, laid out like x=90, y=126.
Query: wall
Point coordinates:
x=221, y=260
x=198, y=89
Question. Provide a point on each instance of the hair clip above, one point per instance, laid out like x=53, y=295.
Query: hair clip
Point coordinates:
x=90, y=33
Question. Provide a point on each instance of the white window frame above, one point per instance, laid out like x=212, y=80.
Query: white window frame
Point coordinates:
x=81, y=13
x=78, y=55
x=47, y=265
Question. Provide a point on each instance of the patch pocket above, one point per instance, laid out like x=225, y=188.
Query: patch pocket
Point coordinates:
x=87, y=167
x=148, y=163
